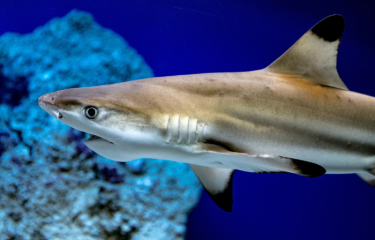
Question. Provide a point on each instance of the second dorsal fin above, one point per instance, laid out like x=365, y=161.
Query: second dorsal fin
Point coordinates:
x=314, y=55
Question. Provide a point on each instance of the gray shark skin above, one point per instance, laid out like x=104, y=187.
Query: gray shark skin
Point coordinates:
x=295, y=116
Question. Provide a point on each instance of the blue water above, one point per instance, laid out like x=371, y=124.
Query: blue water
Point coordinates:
x=196, y=36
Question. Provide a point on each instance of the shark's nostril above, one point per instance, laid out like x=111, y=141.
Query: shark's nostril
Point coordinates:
x=46, y=99
x=42, y=100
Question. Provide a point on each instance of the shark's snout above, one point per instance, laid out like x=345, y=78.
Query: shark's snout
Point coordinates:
x=46, y=99
x=46, y=102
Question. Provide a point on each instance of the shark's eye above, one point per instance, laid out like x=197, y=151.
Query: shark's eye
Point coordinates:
x=91, y=112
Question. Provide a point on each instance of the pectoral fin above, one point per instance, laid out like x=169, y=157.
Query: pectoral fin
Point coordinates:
x=218, y=184
x=217, y=180
x=256, y=162
x=368, y=177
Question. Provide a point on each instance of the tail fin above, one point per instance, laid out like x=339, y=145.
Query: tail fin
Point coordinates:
x=368, y=177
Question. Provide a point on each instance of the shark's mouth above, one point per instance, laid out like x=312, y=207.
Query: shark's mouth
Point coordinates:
x=93, y=137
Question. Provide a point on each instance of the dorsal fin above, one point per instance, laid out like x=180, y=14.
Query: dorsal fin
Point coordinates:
x=314, y=55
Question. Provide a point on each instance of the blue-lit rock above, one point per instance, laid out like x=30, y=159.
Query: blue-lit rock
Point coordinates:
x=51, y=185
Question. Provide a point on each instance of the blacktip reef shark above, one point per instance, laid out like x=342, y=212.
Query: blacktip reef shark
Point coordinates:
x=294, y=116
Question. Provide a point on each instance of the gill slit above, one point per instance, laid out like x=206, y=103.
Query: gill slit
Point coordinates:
x=178, y=129
x=196, y=132
x=169, y=128
x=203, y=132
x=187, y=132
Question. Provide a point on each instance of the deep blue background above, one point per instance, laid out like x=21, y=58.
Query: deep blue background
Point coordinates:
x=195, y=36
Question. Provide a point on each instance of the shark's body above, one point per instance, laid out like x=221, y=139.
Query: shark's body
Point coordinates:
x=263, y=112
x=294, y=116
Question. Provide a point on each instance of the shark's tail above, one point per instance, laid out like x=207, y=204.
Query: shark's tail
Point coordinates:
x=368, y=177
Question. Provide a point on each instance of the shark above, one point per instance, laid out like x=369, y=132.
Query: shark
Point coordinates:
x=294, y=116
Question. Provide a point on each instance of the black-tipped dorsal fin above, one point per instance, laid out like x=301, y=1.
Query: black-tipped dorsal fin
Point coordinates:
x=314, y=55
x=218, y=184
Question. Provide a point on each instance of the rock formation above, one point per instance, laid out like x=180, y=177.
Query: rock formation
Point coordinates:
x=51, y=185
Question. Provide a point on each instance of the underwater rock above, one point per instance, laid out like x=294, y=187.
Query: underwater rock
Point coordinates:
x=51, y=185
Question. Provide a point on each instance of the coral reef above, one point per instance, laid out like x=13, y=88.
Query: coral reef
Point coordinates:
x=51, y=185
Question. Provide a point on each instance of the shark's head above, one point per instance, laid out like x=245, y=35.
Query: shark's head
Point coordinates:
x=118, y=129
